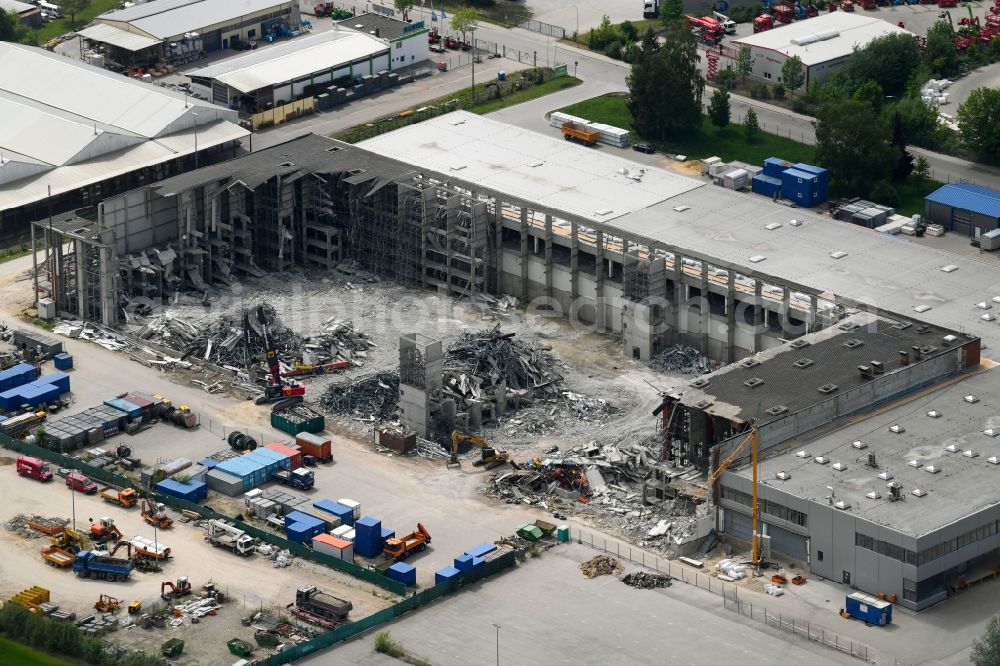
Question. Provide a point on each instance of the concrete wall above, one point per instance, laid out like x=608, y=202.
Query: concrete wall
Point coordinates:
x=139, y=220
x=409, y=51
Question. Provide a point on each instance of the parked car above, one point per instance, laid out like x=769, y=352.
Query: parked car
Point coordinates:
x=644, y=148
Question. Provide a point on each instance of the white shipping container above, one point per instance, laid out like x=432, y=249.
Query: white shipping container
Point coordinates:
x=251, y=495
x=353, y=505
x=345, y=532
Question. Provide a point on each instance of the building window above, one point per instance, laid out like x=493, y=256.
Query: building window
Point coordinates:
x=767, y=75
x=819, y=555
x=399, y=45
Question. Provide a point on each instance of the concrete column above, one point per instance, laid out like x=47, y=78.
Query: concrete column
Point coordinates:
x=34, y=267
x=678, y=298
x=498, y=226
x=706, y=310
x=758, y=310
x=786, y=310
x=549, y=269
x=813, y=307
x=730, y=355
x=524, y=253
x=574, y=261
x=79, y=251
x=600, y=307
x=451, y=231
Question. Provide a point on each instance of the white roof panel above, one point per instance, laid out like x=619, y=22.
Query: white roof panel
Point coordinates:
x=169, y=18
x=109, y=34
x=851, y=30
x=16, y=6
x=294, y=59
x=531, y=166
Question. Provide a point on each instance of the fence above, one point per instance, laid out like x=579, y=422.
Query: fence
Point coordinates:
x=544, y=28
x=285, y=112
x=728, y=592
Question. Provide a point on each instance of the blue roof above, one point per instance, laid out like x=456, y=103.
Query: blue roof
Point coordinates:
x=967, y=196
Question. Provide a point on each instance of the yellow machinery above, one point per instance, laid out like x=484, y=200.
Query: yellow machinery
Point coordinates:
x=70, y=540
x=490, y=456
x=134, y=607
x=107, y=604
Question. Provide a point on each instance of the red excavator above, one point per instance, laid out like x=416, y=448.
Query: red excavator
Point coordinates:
x=104, y=530
x=275, y=390
x=177, y=590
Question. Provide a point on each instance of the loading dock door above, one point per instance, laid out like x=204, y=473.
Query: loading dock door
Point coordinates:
x=738, y=525
x=961, y=221
x=212, y=41
x=788, y=543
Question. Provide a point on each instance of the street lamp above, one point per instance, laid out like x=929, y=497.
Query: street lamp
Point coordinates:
x=498, y=642
x=195, y=139
x=473, y=67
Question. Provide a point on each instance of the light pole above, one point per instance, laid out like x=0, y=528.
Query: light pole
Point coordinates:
x=195, y=139
x=498, y=642
x=577, y=35
x=473, y=68
x=72, y=488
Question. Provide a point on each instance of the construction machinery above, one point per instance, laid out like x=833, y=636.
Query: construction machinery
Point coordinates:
x=705, y=29
x=224, y=535
x=275, y=390
x=783, y=13
x=175, y=590
x=107, y=604
x=88, y=564
x=69, y=540
x=414, y=542
x=19, y=426
x=763, y=22
x=57, y=557
x=148, y=548
x=135, y=607
x=318, y=607
x=300, y=478
x=104, y=530
x=127, y=497
x=155, y=513
x=491, y=457
x=576, y=132
x=728, y=24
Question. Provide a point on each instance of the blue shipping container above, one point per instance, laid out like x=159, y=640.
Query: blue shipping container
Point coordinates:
x=387, y=534
x=208, y=463
x=60, y=379
x=63, y=361
x=368, y=537
x=868, y=608
x=345, y=513
x=131, y=410
x=402, y=573
x=299, y=517
x=299, y=533
x=481, y=550
x=192, y=492
x=773, y=166
x=446, y=574
x=766, y=185
x=10, y=399
x=464, y=563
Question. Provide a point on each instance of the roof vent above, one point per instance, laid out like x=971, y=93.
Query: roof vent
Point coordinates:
x=952, y=448
x=917, y=492
x=934, y=414
x=783, y=476
x=703, y=404
x=757, y=258
x=971, y=399
x=700, y=383
x=970, y=454
x=777, y=410
x=932, y=469
x=858, y=444
x=948, y=339
x=796, y=223
x=902, y=326
x=987, y=317
x=753, y=382
x=877, y=367
x=983, y=305
x=849, y=326
x=803, y=363
x=839, y=466
x=838, y=254
x=798, y=344
x=333, y=149
x=828, y=388
x=285, y=165
x=866, y=371
x=898, y=429
x=601, y=212
x=991, y=432
x=821, y=460
x=854, y=342
x=772, y=226
x=950, y=268
x=842, y=505
x=803, y=454
x=681, y=209
x=915, y=464
x=993, y=460
x=873, y=495
x=921, y=308
x=885, y=475
x=750, y=362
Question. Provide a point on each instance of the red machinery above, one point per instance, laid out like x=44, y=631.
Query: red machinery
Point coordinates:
x=847, y=5
x=783, y=13
x=433, y=37
x=812, y=10
x=706, y=29
x=275, y=390
x=177, y=590
x=943, y=4
x=765, y=22
x=870, y=4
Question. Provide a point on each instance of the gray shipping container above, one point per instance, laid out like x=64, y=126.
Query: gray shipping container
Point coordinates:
x=990, y=240
x=222, y=482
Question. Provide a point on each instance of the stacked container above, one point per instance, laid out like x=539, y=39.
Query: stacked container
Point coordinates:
x=344, y=513
x=193, y=492
x=292, y=454
x=251, y=472
x=402, y=573
x=331, y=545
x=482, y=550
x=131, y=410
x=355, y=507
x=301, y=527
x=446, y=575
x=345, y=532
x=225, y=482
x=368, y=538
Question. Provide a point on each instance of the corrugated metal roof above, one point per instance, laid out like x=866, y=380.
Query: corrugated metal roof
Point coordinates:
x=109, y=34
x=970, y=197
x=853, y=30
x=292, y=60
x=16, y=6
x=169, y=18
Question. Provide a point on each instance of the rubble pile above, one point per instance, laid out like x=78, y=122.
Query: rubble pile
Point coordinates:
x=602, y=565
x=549, y=416
x=370, y=398
x=19, y=525
x=682, y=359
x=646, y=581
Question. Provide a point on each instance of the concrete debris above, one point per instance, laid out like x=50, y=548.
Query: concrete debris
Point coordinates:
x=19, y=525
x=681, y=359
x=602, y=565
x=646, y=581
x=370, y=398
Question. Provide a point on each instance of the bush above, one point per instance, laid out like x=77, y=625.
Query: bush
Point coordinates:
x=630, y=52
x=884, y=193
x=804, y=107
x=614, y=50
x=779, y=91
x=726, y=79
x=759, y=91
x=628, y=31
x=387, y=646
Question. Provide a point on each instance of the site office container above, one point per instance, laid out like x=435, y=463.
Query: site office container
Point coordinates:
x=314, y=445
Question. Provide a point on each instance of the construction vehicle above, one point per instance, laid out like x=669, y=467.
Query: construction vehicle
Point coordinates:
x=763, y=22
x=177, y=590
x=107, y=604
x=155, y=513
x=847, y=5
x=318, y=607
x=300, y=478
x=651, y=9
x=400, y=549
x=58, y=557
x=490, y=456
x=321, y=9
x=104, y=530
x=705, y=29
x=576, y=132
x=19, y=426
x=310, y=370
x=148, y=548
x=80, y=483
x=90, y=565
x=275, y=390
x=871, y=4
x=783, y=13
x=224, y=535
x=69, y=540
x=728, y=24
x=126, y=497
x=33, y=468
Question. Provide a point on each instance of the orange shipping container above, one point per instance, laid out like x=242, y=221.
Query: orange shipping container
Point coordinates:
x=294, y=454
x=314, y=445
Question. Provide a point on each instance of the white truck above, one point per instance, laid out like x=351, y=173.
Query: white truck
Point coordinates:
x=728, y=24
x=650, y=9
x=224, y=535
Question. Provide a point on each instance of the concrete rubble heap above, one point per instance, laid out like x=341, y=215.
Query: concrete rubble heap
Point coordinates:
x=602, y=565
x=645, y=581
x=370, y=398
x=19, y=525
x=685, y=360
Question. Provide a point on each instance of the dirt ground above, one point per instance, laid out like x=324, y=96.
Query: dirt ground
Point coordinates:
x=249, y=583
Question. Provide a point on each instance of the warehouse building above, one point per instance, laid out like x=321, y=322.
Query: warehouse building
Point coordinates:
x=28, y=13
x=964, y=208
x=283, y=73
x=73, y=134
x=823, y=43
x=215, y=24
x=409, y=40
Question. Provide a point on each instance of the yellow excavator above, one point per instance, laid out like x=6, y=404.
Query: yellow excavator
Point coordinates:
x=491, y=457
x=70, y=540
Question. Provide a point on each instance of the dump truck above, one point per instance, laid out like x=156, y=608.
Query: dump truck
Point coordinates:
x=90, y=565
x=300, y=478
x=126, y=497
x=224, y=535
x=400, y=549
x=318, y=607
x=58, y=557
x=155, y=514
x=576, y=132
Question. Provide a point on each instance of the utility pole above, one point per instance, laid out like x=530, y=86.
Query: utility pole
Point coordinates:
x=498, y=642
x=195, y=139
x=473, y=68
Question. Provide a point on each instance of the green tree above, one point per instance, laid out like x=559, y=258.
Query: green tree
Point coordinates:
x=852, y=142
x=671, y=12
x=726, y=78
x=465, y=20
x=403, y=6
x=904, y=162
x=73, y=7
x=750, y=126
x=718, y=108
x=628, y=31
x=744, y=62
x=793, y=75
x=884, y=193
x=871, y=94
x=979, y=122
x=940, y=53
x=920, y=120
x=92, y=650
x=602, y=35
x=12, y=30
x=922, y=169
x=986, y=649
x=665, y=88
x=888, y=60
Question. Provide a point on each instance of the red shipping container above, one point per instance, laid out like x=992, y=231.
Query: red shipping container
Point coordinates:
x=294, y=454
x=314, y=445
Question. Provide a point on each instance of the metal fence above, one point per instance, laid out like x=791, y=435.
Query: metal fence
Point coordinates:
x=544, y=28
x=728, y=591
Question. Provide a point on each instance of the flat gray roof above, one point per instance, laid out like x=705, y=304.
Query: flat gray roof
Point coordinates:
x=963, y=486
